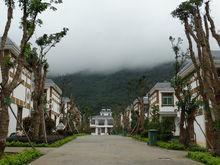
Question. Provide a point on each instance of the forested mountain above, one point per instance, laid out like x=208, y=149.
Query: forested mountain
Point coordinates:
x=97, y=90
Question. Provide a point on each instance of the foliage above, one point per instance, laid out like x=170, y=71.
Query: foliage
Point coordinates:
x=26, y=123
x=204, y=157
x=166, y=128
x=98, y=90
x=154, y=122
x=144, y=134
x=140, y=138
x=55, y=144
x=173, y=145
x=21, y=158
x=196, y=147
x=50, y=125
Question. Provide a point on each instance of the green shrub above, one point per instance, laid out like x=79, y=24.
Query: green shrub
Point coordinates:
x=196, y=147
x=173, y=145
x=20, y=159
x=55, y=144
x=204, y=157
x=144, y=134
x=50, y=125
x=139, y=138
x=26, y=123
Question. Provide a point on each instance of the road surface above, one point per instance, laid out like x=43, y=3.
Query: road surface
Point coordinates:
x=111, y=150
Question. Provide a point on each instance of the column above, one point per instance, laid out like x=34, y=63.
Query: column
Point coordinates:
x=106, y=130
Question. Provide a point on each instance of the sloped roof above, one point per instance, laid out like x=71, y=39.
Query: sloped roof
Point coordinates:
x=10, y=45
x=162, y=86
x=66, y=99
x=50, y=82
x=189, y=67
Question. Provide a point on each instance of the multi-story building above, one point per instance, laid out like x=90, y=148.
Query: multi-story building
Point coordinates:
x=188, y=72
x=53, y=97
x=102, y=124
x=21, y=96
x=162, y=96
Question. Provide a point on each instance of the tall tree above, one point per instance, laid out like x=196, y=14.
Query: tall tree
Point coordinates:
x=187, y=104
x=30, y=12
x=39, y=65
x=197, y=30
x=5, y=64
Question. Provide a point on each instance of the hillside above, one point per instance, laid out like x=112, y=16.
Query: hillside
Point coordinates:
x=97, y=90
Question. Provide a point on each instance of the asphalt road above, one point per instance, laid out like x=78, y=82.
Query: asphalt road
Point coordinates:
x=111, y=150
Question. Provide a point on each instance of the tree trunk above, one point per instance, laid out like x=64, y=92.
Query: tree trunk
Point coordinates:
x=35, y=123
x=217, y=125
x=4, y=123
x=190, y=129
x=182, y=138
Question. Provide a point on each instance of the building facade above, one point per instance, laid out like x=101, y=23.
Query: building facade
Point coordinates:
x=102, y=124
x=162, y=96
x=188, y=73
x=53, y=98
x=21, y=102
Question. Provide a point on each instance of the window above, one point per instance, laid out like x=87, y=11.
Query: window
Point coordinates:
x=101, y=122
x=92, y=121
x=218, y=72
x=110, y=122
x=167, y=99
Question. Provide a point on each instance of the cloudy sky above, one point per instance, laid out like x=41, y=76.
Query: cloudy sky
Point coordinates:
x=108, y=35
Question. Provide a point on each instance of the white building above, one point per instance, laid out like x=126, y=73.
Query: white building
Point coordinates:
x=188, y=71
x=21, y=96
x=163, y=96
x=102, y=124
x=53, y=97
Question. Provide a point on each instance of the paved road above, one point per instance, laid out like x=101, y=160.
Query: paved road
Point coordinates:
x=111, y=150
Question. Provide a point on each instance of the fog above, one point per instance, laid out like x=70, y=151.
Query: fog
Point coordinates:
x=109, y=35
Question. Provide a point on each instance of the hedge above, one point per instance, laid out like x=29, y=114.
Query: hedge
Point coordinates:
x=140, y=138
x=204, y=157
x=55, y=144
x=21, y=158
x=171, y=145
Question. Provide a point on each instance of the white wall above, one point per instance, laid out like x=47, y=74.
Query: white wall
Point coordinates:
x=200, y=138
x=12, y=120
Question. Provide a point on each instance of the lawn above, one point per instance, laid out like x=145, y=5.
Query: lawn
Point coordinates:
x=22, y=158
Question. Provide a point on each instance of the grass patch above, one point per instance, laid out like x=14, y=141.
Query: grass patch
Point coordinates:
x=21, y=158
x=204, y=157
x=140, y=138
x=55, y=144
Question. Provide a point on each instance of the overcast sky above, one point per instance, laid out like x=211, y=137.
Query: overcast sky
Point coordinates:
x=109, y=35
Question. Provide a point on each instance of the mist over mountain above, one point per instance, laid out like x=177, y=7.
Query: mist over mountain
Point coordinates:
x=95, y=90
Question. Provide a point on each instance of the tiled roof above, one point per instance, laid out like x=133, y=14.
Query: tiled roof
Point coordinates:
x=189, y=67
x=50, y=82
x=11, y=46
x=162, y=86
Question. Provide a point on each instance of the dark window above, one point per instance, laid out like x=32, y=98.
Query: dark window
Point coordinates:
x=93, y=130
x=110, y=122
x=102, y=130
x=167, y=99
x=92, y=121
x=218, y=72
x=101, y=122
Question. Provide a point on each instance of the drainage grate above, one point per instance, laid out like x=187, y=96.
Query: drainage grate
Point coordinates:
x=164, y=158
